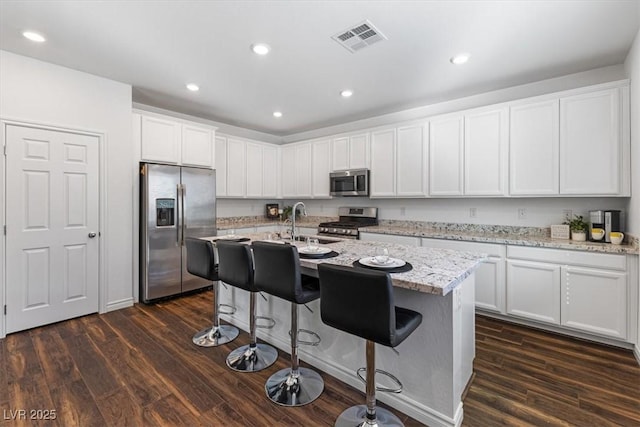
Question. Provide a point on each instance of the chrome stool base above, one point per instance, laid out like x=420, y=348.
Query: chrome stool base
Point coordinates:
x=248, y=359
x=286, y=390
x=356, y=416
x=215, y=335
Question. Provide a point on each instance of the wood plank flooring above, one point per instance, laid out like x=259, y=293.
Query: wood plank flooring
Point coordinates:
x=138, y=367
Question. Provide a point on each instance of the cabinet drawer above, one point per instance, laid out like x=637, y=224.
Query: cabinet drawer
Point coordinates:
x=559, y=256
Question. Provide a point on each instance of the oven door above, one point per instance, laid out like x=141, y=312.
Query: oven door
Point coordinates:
x=349, y=183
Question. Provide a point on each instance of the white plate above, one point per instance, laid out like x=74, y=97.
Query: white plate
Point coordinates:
x=371, y=262
x=320, y=251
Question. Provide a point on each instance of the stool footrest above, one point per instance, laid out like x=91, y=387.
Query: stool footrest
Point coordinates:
x=398, y=389
x=230, y=309
x=311, y=343
x=270, y=325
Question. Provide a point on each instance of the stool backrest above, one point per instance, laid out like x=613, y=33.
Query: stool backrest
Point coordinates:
x=277, y=270
x=357, y=301
x=235, y=265
x=201, y=260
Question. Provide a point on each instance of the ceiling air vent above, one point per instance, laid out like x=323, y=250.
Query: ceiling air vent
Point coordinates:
x=359, y=36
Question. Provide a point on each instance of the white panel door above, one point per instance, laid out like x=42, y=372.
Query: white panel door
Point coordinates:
x=270, y=171
x=255, y=170
x=383, y=163
x=590, y=143
x=236, y=167
x=321, y=155
x=197, y=146
x=359, y=151
x=221, y=166
x=340, y=154
x=534, y=149
x=595, y=300
x=485, y=144
x=52, y=195
x=533, y=290
x=411, y=161
x=160, y=140
x=446, y=139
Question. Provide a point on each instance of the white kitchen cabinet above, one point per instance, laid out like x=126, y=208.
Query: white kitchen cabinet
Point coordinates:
x=590, y=143
x=486, y=135
x=383, y=163
x=296, y=170
x=221, y=166
x=411, y=161
x=254, y=170
x=350, y=152
x=321, y=167
x=490, y=275
x=534, y=142
x=533, y=290
x=595, y=300
x=446, y=156
x=288, y=156
x=236, y=168
x=160, y=140
x=270, y=168
x=390, y=238
x=165, y=140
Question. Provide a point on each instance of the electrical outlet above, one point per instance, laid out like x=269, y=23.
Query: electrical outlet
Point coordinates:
x=473, y=212
x=402, y=211
x=567, y=214
x=522, y=213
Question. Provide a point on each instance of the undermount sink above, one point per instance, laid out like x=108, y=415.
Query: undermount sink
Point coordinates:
x=320, y=240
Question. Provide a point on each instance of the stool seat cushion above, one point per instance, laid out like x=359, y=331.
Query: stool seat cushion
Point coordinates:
x=361, y=302
x=235, y=265
x=201, y=260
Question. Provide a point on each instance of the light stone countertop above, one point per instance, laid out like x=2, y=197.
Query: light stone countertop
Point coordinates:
x=435, y=271
x=502, y=237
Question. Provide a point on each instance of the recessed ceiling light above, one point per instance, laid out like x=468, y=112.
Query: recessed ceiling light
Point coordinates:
x=34, y=37
x=193, y=87
x=346, y=93
x=460, y=58
x=277, y=114
x=260, y=48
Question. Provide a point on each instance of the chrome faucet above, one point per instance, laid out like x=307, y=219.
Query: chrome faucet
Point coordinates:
x=293, y=218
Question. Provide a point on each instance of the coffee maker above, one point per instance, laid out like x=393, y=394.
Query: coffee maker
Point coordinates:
x=613, y=221
x=596, y=221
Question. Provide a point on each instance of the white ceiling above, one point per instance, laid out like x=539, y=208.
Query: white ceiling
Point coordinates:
x=159, y=46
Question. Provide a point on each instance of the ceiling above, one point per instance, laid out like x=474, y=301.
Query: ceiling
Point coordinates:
x=160, y=46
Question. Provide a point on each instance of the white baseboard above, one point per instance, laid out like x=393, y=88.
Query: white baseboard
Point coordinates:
x=117, y=305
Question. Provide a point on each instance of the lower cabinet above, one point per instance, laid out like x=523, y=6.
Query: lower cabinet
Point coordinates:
x=533, y=290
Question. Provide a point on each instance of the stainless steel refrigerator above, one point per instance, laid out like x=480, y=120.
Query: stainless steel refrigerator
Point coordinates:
x=175, y=202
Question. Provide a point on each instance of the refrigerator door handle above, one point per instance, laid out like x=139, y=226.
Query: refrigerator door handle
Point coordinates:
x=179, y=236
x=184, y=211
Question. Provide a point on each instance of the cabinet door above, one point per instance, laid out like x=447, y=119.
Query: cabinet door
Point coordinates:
x=236, y=168
x=197, y=146
x=303, y=170
x=270, y=172
x=340, y=154
x=321, y=167
x=359, y=151
x=411, y=163
x=289, y=171
x=534, y=143
x=383, y=163
x=160, y=140
x=533, y=290
x=595, y=300
x=590, y=143
x=446, y=138
x=255, y=170
x=485, y=143
x=221, y=166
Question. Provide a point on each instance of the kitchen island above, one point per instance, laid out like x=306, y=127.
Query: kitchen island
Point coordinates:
x=434, y=364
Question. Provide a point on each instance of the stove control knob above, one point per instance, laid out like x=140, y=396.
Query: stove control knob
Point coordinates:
x=333, y=230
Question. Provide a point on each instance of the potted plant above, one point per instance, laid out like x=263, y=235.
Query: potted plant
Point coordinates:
x=578, y=228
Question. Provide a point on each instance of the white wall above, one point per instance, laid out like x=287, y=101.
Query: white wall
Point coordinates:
x=39, y=92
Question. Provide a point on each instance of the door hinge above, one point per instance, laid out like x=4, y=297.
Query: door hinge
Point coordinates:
x=5, y=230
x=5, y=309
x=4, y=149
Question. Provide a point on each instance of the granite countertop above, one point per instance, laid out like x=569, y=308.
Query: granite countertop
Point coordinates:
x=518, y=236
x=435, y=271
x=261, y=221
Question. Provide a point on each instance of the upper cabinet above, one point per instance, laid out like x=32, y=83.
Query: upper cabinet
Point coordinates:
x=446, y=161
x=167, y=140
x=534, y=148
x=590, y=143
x=221, y=166
x=350, y=152
x=320, y=168
x=296, y=170
x=382, y=178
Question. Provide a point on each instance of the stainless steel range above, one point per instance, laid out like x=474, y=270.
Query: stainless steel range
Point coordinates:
x=350, y=220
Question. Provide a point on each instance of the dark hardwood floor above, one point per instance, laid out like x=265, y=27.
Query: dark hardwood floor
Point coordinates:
x=138, y=367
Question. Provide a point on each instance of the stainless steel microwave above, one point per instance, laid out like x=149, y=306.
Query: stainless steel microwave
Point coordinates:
x=349, y=183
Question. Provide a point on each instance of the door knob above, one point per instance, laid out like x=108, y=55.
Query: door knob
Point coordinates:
x=92, y=235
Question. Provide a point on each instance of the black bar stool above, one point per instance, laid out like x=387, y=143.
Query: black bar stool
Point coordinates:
x=277, y=272
x=360, y=302
x=201, y=263
x=235, y=267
